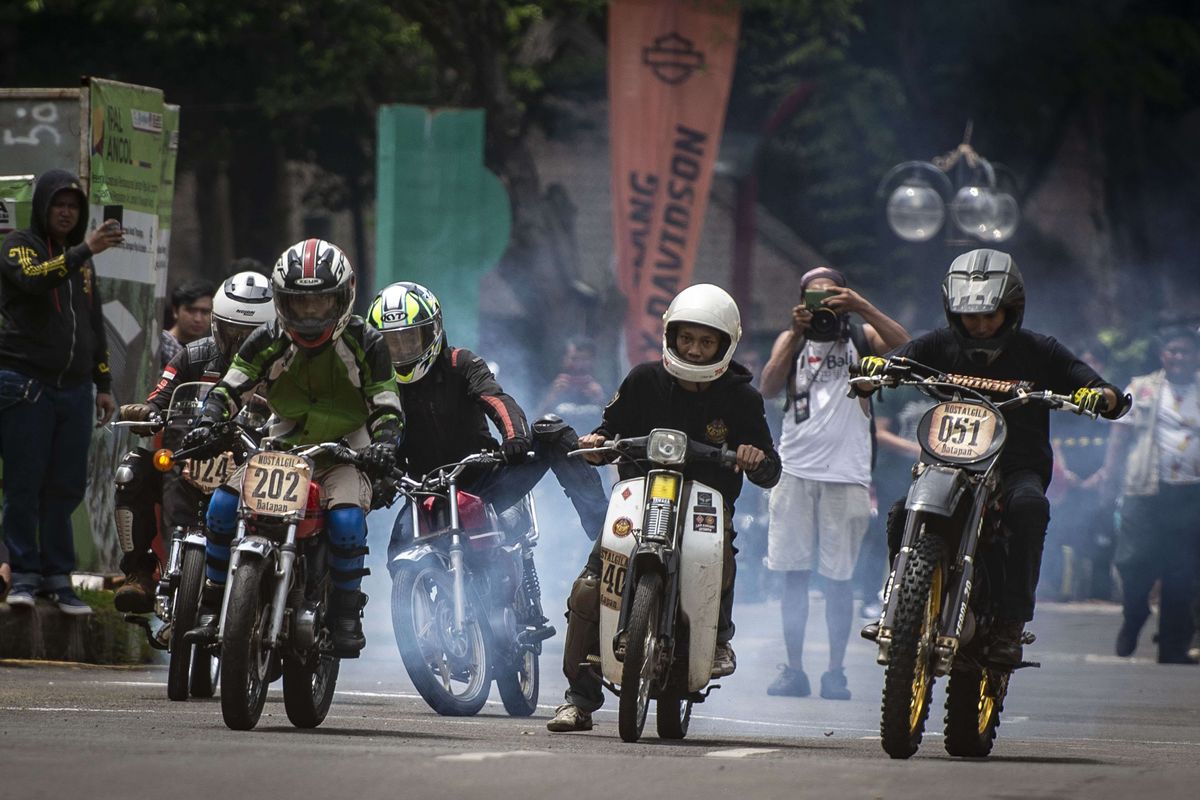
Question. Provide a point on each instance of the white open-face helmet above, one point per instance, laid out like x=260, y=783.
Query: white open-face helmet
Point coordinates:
x=711, y=306
x=242, y=303
x=314, y=292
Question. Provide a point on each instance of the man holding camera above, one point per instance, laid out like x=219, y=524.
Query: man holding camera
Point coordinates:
x=820, y=510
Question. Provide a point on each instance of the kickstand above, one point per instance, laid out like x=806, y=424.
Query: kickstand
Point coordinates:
x=144, y=624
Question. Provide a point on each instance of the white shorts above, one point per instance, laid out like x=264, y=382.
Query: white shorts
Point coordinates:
x=817, y=526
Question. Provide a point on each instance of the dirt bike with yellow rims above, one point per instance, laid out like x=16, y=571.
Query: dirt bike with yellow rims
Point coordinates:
x=947, y=541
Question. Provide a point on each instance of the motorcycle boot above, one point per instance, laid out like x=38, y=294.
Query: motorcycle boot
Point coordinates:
x=1005, y=648
x=345, y=622
x=136, y=595
x=567, y=718
x=724, y=660
x=205, y=631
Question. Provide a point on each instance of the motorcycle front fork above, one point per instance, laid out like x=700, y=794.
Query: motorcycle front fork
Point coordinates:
x=284, y=567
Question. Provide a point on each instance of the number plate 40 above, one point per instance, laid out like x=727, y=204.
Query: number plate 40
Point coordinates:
x=276, y=485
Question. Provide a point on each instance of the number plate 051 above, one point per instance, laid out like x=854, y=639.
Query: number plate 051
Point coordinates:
x=276, y=485
x=961, y=431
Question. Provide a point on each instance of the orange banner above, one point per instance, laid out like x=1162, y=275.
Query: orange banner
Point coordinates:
x=670, y=65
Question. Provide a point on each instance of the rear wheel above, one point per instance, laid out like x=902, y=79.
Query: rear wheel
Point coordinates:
x=245, y=661
x=908, y=679
x=974, y=700
x=308, y=684
x=673, y=713
x=449, y=668
x=519, y=685
x=641, y=656
x=187, y=603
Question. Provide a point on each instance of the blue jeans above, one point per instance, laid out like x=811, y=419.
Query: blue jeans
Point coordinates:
x=44, y=437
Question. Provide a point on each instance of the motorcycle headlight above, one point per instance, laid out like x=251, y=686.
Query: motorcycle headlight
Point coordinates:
x=666, y=446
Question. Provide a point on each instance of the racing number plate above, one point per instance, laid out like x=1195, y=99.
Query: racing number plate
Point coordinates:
x=612, y=578
x=210, y=473
x=961, y=431
x=276, y=484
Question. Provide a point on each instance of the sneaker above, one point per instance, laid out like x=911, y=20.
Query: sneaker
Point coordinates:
x=568, y=717
x=1127, y=639
x=833, y=685
x=724, y=660
x=790, y=683
x=68, y=602
x=22, y=594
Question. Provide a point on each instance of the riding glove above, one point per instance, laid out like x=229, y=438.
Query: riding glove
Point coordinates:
x=136, y=412
x=872, y=365
x=516, y=449
x=1090, y=401
x=198, y=438
x=378, y=458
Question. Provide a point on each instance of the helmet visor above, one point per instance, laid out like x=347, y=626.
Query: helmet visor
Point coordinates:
x=974, y=294
x=308, y=313
x=229, y=336
x=407, y=345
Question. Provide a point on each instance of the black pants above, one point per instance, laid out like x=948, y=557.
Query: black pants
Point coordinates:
x=1026, y=515
x=1159, y=539
x=182, y=505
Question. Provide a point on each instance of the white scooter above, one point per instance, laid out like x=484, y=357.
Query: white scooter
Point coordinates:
x=662, y=555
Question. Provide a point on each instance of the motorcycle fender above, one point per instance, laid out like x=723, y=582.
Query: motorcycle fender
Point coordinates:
x=622, y=529
x=194, y=537
x=936, y=490
x=413, y=554
x=701, y=567
x=256, y=545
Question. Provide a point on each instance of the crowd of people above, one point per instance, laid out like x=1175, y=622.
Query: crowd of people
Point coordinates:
x=1124, y=498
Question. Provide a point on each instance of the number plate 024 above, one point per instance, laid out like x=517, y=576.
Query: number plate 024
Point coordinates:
x=210, y=473
x=276, y=485
x=961, y=431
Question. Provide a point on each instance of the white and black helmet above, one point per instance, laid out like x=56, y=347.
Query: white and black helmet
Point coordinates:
x=243, y=302
x=314, y=292
x=711, y=306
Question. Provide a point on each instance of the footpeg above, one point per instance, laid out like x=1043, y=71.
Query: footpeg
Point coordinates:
x=532, y=636
x=144, y=624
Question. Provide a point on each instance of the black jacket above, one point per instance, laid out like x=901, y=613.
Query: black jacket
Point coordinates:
x=448, y=409
x=200, y=360
x=1027, y=356
x=51, y=324
x=729, y=412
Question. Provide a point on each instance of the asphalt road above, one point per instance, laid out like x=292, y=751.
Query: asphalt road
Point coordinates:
x=1085, y=725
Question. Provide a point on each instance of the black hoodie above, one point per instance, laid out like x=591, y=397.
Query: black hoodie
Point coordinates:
x=729, y=412
x=51, y=324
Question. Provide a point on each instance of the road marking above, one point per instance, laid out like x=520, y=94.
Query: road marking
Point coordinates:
x=741, y=752
x=491, y=755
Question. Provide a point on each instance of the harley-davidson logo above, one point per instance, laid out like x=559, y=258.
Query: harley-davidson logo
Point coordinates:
x=717, y=431
x=622, y=526
x=672, y=58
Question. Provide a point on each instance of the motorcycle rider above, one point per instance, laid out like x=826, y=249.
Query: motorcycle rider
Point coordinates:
x=448, y=394
x=326, y=375
x=241, y=304
x=696, y=388
x=983, y=296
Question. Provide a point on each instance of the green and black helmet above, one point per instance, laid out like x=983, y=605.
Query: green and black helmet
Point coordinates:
x=410, y=318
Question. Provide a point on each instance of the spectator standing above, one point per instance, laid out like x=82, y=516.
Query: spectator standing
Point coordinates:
x=52, y=350
x=191, y=312
x=575, y=394
x=820, y=510
x=1158, y=450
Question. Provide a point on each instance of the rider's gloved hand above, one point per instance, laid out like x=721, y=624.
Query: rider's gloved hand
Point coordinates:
x=1090, y=401
x=378, y=458
x=200, y=437
x=136, y=412
x=872, y=365
x=515, y=450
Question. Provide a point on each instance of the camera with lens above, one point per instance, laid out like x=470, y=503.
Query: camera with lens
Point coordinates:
x=827, y=325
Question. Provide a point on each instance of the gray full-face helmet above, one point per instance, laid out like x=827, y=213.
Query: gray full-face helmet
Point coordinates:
x=980, y=282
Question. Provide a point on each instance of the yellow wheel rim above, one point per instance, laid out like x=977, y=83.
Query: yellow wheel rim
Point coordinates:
x=987, y=704
x=922, y=674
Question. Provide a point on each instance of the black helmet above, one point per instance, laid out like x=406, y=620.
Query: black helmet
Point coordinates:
x=980, y=282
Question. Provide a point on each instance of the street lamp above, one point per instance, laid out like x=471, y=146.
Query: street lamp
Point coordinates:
x=977, y=193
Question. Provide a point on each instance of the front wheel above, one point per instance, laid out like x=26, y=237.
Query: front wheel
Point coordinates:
x=519, y=685
x=245, y=662
x=641, y=656
x=308, y=684
x=908, y=679
x=187, y=604
x=974, y=700
x=450, y=669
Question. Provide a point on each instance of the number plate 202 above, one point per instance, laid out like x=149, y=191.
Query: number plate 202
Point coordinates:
x=276, y=485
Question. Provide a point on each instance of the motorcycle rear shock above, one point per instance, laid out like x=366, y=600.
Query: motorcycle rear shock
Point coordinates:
x=533, y=590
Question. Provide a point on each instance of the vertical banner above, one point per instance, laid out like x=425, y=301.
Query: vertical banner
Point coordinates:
x=16, y=202
x=670, y=69
x=166, y=199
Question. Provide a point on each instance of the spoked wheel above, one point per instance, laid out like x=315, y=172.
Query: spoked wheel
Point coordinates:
x=308, y=684
x=519, y=685
x=641, y=656
x=974, y=700
x=245, y=662
x=673, y=712
x=908, y=679
x=449, y=668
x=187, y=603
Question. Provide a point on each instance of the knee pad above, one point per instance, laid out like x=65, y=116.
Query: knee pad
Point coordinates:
x=222, y=514
x=346, y=527
x=583, y=623
x=134, y=502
